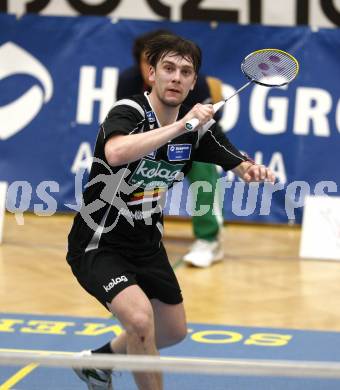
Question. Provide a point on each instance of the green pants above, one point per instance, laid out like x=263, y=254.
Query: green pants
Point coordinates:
x=208, y=225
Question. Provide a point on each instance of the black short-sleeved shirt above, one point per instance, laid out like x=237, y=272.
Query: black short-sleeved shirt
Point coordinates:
x=121, y=205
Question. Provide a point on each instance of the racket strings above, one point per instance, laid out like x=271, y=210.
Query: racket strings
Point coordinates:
x=270, y=67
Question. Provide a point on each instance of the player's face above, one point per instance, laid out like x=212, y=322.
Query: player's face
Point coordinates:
x=172, y=79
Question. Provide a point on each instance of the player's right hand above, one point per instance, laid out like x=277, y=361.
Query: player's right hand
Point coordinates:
x=203, y=112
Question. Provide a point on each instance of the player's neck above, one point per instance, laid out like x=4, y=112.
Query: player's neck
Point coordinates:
x=165, y=113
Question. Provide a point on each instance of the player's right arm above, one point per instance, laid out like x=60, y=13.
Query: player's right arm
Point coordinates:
x=123, y=145
x=123, y=149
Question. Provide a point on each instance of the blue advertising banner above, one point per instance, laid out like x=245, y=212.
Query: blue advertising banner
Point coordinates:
x=58, y=78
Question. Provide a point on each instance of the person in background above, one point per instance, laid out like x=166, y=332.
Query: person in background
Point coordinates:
x=207, y=247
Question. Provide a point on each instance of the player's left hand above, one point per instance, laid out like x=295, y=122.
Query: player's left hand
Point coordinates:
x=258, y=173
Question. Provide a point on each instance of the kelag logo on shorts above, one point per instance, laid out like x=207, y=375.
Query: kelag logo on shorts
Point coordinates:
x=114, y=282
x=153, y=174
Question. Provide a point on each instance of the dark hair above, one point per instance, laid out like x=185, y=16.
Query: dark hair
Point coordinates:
x=141, y=41
x=160, y=46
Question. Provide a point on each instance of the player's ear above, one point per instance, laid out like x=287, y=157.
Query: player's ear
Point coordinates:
x=193, y=83
x=151, y=74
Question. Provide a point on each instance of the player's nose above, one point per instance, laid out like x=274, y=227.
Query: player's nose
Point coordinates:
x=177, y=75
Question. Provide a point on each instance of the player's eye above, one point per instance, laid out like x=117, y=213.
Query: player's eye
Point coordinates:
x=186, y=72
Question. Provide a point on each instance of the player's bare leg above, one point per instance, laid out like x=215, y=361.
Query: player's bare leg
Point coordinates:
x=134, y=310
x=170, y=326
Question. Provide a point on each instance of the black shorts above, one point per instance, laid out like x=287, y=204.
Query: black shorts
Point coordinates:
x=105, y=272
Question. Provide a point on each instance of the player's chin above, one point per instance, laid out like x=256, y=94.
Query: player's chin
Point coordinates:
x=173, y=101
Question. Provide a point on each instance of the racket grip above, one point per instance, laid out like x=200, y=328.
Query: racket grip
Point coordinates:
x=192, y=124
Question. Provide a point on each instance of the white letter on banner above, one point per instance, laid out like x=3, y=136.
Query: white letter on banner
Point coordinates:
x=249, y=201
x=83, y=158
x=89, y=94
x=337, y=116
x=312, y=105
x=193, y=194
x=276, y=164
x=176, y=197
x=295, y=197
x=279, y=107
x=321, y=185
x=13, y=191
x=47, y=198
x=231, y=110
x=222, y=185
x=267, y=196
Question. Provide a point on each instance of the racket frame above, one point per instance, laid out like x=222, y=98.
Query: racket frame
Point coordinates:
x=266, y=84
x=194, y=122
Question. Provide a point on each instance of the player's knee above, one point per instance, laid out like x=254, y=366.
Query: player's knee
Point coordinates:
x=141, y=325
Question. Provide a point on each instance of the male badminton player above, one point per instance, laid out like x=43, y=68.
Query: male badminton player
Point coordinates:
x=123, y=262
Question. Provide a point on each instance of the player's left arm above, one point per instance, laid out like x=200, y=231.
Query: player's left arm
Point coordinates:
x=214, y=147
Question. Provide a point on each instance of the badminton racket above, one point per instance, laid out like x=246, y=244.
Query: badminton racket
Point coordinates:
x=267, y=67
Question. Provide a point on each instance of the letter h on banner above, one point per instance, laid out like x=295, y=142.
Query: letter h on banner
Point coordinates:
x=3, y=192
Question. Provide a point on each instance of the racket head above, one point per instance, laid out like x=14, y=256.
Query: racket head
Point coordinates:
x=270, y=67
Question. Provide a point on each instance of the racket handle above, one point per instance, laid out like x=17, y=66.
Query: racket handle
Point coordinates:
x=218, y=105
x=194, y=122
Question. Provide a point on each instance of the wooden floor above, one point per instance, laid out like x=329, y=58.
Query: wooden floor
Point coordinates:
x=260, y=282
